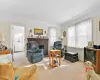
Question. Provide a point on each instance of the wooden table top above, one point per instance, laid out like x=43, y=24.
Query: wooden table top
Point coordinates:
x=55, y=51
x=4, y=52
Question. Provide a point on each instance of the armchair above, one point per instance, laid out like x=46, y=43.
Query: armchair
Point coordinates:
x=58, y=45
x=34, y=54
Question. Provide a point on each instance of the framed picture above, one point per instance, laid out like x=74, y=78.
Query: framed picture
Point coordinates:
x=38, y=31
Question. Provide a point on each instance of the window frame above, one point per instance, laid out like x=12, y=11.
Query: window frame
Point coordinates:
x=71, y=36
x=49, y=36
x=76, y=32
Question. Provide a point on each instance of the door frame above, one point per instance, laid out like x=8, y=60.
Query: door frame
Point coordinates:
x=11, y=41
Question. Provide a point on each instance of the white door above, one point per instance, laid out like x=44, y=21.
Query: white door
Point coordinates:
x=18, y=38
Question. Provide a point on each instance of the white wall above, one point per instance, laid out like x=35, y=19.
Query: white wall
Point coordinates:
x=95, y=16
x=96, y=33
x=41, y=25
x=5, y=27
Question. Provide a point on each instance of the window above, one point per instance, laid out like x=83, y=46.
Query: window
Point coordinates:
x=71, y=36
x=52, y=32
x=82, y=34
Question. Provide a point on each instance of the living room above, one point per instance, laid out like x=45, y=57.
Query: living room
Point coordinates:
x=48, y=26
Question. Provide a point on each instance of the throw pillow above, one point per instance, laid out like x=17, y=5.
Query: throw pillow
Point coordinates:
x=2, y=47
x=6, y=71
x=28, y=75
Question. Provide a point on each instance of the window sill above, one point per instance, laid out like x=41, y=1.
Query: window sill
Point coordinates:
x=75, y=47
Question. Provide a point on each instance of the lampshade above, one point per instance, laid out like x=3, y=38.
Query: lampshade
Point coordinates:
x=61, y=37
x=2, y=37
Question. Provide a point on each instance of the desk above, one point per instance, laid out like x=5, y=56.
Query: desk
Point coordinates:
x=52, y=54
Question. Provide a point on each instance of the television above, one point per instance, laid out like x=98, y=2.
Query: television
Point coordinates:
x=93, y=55
x=90, y=55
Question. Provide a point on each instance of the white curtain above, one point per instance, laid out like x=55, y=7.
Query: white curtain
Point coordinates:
x=52, y=33
x=83, y=33
x=71, y=36
x=80, y=34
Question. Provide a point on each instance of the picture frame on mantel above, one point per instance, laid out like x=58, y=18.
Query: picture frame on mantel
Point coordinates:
x=38, y=31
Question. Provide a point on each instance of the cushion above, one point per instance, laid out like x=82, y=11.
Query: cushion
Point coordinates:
x=5, y=58
x=26, y=73
x=2, y=47
x=6, y=71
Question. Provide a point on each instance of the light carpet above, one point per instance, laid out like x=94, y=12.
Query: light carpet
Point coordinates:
x=67, y=70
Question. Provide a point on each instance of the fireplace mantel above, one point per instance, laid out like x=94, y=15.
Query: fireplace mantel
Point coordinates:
x=41, y=41
x=37, y=38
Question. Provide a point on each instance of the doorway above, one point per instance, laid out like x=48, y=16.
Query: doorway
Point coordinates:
x=18, y=38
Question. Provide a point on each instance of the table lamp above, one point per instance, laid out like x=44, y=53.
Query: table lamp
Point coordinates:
x=1, y=38
x=61, y=38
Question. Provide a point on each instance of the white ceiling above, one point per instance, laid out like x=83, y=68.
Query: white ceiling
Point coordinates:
x=52, y=11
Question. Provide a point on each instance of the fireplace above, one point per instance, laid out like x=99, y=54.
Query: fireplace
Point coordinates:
x=43, y=44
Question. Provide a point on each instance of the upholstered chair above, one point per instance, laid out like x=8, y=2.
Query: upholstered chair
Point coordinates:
x=58, y=45
x=34, y=54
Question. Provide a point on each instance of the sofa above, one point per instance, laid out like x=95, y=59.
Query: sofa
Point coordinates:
x=58, y=45
x=6, y=56
x=25, y=73
x=34, y=54
x=9, y=72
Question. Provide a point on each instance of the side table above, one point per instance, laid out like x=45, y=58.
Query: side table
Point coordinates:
x=54, y=54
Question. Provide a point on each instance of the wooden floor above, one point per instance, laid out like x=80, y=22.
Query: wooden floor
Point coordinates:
x=67, y=70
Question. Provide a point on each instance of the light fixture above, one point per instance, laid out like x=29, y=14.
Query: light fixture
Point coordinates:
x=61, y=38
